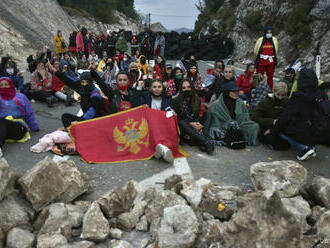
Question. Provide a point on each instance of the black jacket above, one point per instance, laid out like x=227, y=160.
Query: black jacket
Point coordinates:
x=114, y=96
x=298, y=120
x=141, y=97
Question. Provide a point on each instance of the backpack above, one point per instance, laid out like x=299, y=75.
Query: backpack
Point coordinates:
x=234, y=138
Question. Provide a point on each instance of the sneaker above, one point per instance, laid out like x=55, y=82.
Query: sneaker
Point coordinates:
x=69, y=99
x=1, y=154
x=163, y=151
x=306, y=154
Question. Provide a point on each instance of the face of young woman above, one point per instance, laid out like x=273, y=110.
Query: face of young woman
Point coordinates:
x=4, y=84
x=169, y=71
x=186, y=86
x=234, y=94
x=157, y=88
x=159, y=59
x=228, y=73
x=122, y=80
x=57, y=65
x=193, y=70
x=281, y=95
x=41, y=66
x=251, y=68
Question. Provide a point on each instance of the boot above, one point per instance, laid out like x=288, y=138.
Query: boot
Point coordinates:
x=165, y=153
x=69, y=99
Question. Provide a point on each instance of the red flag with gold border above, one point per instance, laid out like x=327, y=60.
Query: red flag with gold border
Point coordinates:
x=126, y=136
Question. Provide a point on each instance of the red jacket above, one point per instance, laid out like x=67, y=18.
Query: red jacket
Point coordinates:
x=243, y=82
x=159, y=71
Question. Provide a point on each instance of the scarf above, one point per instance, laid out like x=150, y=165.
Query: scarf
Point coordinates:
x=7, y=93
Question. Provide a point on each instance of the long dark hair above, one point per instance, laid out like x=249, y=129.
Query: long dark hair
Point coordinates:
x=193, y=101
x=192, y=77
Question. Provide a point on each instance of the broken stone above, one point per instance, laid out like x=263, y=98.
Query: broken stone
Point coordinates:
x=320, y=190
x=171, y=181
x=149, y=194
x=119, y=200
x=142, y=225
x=178, y=228
x=57, y=221
x=206, y=216
x=48, y=181
x=76, y=183
x=261, y=221
x=127, y=221
x=300, y=209
x=154, y=210
x=116, y=233
x=317, y=212
x=220, y=201
x=285, y=177
x=210, y=234
x=192, y=191
x=14, y=211
x=323, y=226
x=76, y=214
x=95, y=225
x=144, y=243
x=19, y=238
x=6, y=179
x=51, y=241
x=83, y=205
x=119, y=244
x=82, y=244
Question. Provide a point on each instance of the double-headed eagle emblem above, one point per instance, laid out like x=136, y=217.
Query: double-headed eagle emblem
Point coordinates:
x=133, y=136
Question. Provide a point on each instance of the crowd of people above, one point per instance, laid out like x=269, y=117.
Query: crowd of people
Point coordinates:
x=223, y=109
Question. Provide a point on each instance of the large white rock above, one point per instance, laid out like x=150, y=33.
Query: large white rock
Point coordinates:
x=15, y=211
x=119, y=244
x=6, y=179
x=155, y=208
x=285, y=177
x=178, y=228
x=192, y=191
x=95, y=225
x=323, y=226
x=320, y=190
x=119, y=200
x=51, y=241
x=300, y=209
x=261, y=221
x=48, y=181
x=19, y=238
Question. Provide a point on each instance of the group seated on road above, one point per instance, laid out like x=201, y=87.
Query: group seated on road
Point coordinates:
x=221, y=110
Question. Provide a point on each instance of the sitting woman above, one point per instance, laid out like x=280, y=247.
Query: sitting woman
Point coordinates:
x=302, y=124
x=120, y=98
x=259, y=90
x=230, y=113
x=194, y=129
x=91, y=101
x=16, y=114
x=155, y=97
x=266, y=114
x=41, y=85
x=244, y=82
x=228, y=76
x=173, y=85
x=194, y=76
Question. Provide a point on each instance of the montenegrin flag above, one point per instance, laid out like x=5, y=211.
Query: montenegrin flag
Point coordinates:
x=126, y=136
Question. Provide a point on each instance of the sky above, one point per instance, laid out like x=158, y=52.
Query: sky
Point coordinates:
x=172, y=14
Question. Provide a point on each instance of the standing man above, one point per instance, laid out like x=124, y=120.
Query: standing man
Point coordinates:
x=159, y=47
x=266, y=49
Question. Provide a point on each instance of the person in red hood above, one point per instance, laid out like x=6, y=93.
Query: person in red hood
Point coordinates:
x=243, y=82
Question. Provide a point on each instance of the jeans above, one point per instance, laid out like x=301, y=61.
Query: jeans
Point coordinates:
x=292, y=142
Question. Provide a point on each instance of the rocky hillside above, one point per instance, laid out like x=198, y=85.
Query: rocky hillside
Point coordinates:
x=302, y=27
x=26, y=26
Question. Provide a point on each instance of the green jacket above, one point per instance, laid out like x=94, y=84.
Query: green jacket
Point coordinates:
x=221, y=121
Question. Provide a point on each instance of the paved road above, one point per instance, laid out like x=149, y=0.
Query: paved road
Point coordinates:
x=225, y=166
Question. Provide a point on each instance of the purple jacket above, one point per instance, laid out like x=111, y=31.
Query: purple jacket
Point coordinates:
x=19, y=107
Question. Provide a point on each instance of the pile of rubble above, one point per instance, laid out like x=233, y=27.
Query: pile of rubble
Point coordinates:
x=39, y=209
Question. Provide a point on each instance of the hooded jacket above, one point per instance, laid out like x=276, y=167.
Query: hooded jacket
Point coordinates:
x=19, y=107
x=58, y=42
x=141, y=66
x=297, y=120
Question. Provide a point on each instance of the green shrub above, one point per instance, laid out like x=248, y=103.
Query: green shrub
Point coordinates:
x=253, y=20
x=228, y=19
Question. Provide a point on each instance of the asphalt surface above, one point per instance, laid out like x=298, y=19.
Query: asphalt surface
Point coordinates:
x=224, y=167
